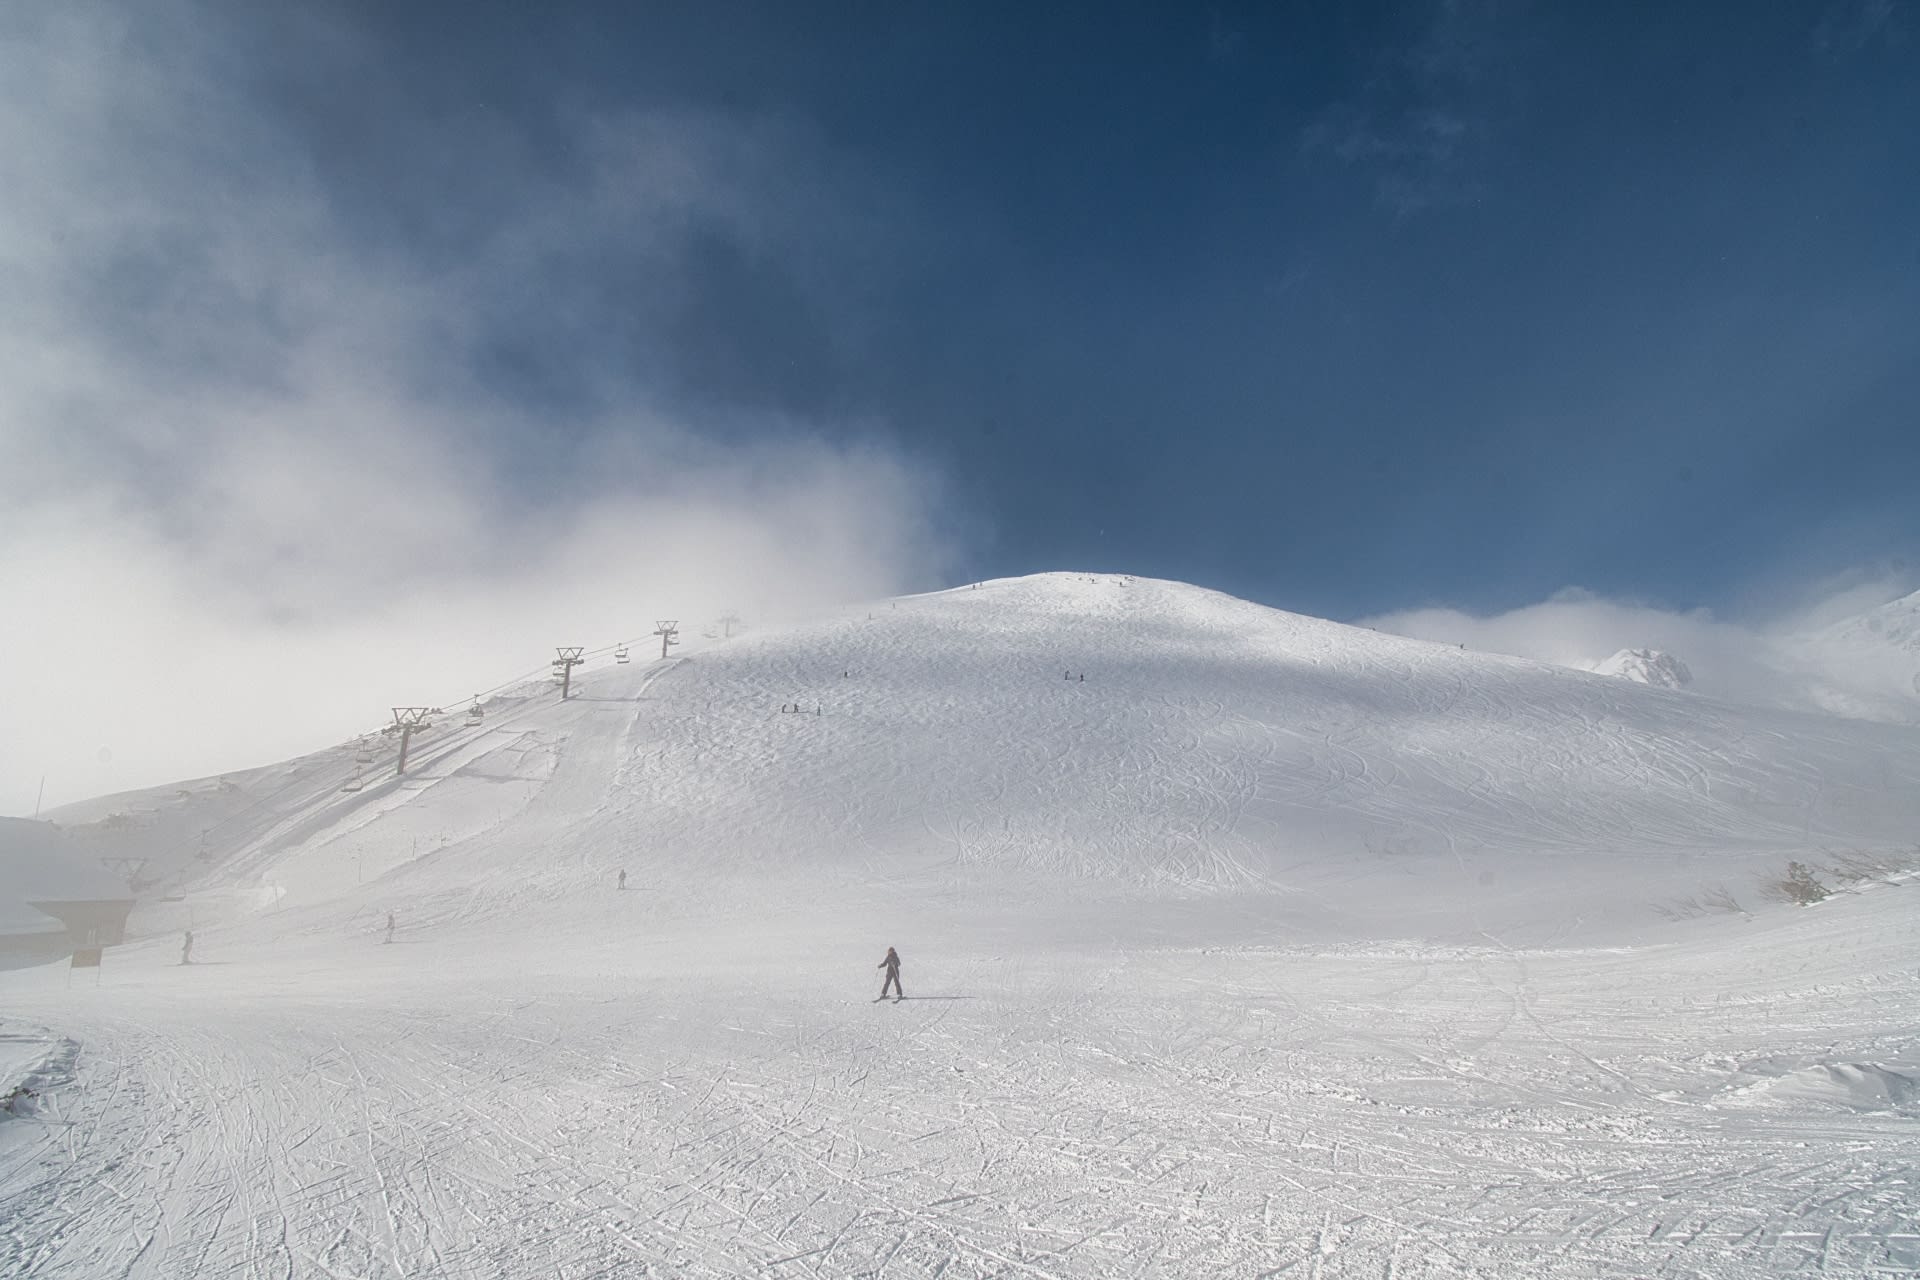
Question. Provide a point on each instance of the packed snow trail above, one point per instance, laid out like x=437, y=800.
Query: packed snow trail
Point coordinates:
x=1036, y=1111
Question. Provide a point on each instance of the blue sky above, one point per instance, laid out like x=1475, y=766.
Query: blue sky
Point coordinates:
x=376, y=330
x=1341, y=307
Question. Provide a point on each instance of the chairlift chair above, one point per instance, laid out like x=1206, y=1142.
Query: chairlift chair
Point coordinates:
x=620, y=654
x=355, y=782
x=474, y=714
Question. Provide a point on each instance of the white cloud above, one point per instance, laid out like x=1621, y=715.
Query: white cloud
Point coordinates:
x=1576, y=628
x=256, y=487
x=1772, y=659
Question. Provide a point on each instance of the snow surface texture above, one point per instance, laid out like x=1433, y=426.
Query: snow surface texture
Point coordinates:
x=1647, y=666
x=1269, y=947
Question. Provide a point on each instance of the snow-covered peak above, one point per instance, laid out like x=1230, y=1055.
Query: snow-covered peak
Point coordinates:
x=1654, y=667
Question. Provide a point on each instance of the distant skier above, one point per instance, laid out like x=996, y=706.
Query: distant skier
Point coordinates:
x=622, y=883
x=892, y=965
x=186, y=948
x=389, y=926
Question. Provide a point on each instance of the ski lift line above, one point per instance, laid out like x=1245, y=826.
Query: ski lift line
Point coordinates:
x=248, y=811
x=278, y=792
x=541, y=672
x=439, y=748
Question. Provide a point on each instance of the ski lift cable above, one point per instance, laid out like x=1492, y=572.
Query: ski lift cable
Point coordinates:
x=540, y=673
x=238, y=815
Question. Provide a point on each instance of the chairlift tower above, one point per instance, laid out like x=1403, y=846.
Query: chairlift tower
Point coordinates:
x=728, y=621
x=564, y=664
x=406, y=722
x=669, y=633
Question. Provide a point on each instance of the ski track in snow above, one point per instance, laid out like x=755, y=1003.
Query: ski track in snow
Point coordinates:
x=1156, y=1025
x=1426, y=1112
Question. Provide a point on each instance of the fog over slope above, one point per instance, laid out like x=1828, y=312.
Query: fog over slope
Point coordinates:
x=1848, y=651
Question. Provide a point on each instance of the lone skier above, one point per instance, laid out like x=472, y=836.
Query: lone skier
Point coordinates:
x=186, y=948
x=389, y=926
x=623, y=879
x=892, y=965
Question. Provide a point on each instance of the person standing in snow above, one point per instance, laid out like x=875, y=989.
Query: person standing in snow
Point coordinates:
x=186, y=948
x=389, y=926
x=623, y=879
x=892, y=965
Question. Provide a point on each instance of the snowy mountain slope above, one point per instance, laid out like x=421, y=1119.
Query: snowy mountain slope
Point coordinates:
x=1217, y=744
x=1271, y=947
x=1098, y=736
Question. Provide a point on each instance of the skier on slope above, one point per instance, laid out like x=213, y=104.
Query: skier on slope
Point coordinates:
x=892, y=965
